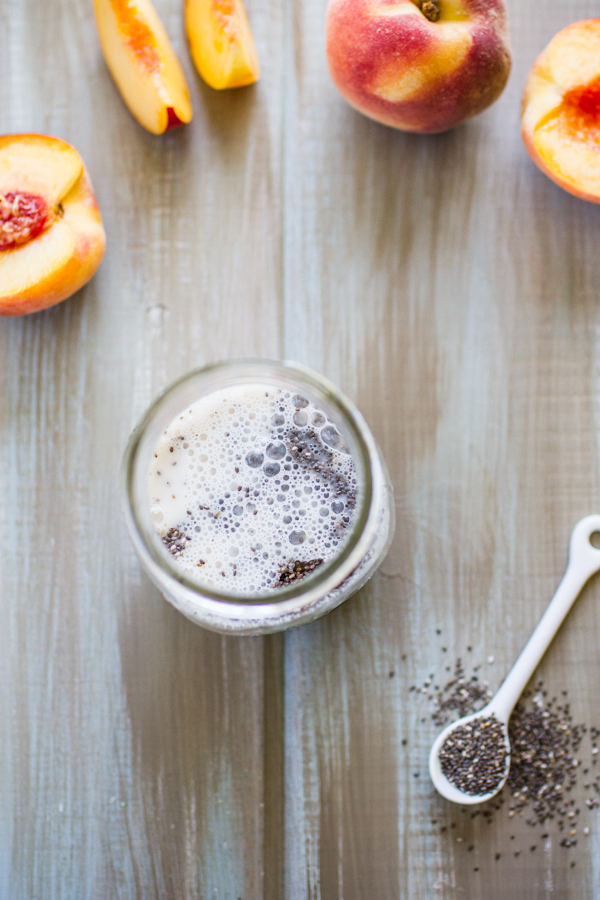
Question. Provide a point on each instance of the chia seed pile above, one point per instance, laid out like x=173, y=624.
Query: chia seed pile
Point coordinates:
x=473, y=756
x=553, y=778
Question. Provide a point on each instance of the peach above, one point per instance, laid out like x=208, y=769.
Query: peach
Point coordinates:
x=561, y=110
x=51, y=235
x=221, y=42
x=142, y=62
x=418, y=65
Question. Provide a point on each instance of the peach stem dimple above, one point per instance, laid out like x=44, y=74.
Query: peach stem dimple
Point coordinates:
x=430, y=9
x=22, y=218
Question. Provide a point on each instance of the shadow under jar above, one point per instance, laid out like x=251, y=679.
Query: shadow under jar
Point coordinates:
x=256, y=496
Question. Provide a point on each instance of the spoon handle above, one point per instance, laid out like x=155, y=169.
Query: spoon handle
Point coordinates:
x=584, y=561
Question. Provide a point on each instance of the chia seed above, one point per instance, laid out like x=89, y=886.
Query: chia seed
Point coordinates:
x=474, y=756
x=461, y=695
x=306, y=449
x=297, y=570
x=175, y=541
x=547, y=756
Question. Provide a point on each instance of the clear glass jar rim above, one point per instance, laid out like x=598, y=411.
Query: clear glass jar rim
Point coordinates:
x=233, y=372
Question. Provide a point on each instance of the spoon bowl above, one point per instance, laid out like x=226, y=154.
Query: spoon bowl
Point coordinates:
x=446, y=788
x=584, y=561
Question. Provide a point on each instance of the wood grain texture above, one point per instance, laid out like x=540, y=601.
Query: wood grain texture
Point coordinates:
x=452, y=291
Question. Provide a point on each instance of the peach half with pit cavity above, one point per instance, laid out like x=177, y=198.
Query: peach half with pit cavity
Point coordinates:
x=560, y=121
x=51, y=235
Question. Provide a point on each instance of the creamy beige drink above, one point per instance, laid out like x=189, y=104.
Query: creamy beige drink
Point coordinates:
x=252, y=488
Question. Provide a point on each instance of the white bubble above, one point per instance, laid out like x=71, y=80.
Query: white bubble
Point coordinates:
x=276, y=451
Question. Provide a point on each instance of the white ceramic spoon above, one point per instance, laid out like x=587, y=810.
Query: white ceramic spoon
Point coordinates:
x=584, y=561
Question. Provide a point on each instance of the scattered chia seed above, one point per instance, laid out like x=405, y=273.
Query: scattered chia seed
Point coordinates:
x=296, y=570
x=461, y=695
x=175, y=541
x=308, y=450
x=473, y=757
x=547, y=756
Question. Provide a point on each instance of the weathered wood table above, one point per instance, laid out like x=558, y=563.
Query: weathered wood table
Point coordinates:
x=453, y=292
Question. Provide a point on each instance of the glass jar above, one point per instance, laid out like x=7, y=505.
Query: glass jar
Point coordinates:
x=369, y=532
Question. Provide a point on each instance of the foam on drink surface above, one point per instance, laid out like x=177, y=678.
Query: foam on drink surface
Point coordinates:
x=252, y=488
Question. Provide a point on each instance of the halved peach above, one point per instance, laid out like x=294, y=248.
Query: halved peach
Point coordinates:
x=221, y=42
x=561, y=110
x=142, y=62
x=51, y=235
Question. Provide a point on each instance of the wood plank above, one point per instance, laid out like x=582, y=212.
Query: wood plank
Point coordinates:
x=451, y=289
x=132, y=742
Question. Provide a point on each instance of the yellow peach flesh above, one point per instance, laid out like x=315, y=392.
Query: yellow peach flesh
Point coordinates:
x=38, y=165
x=56, y=263
x=142, y=61
x=221, y=43
x=561, y=110
x=20, y=269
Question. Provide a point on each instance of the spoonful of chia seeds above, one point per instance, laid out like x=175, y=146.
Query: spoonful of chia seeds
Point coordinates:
x=470, y=759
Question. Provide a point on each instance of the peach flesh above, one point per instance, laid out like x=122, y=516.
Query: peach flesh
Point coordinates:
x=221, y=43
x=580, y=112
x=138, y=37
x=143, y=64
x=22, y=218
x=560, y=118
x=51, y=234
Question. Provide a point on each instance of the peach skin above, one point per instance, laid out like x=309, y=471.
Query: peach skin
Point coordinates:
x=142, y=62
x=51, y=235
x=221, y=42
x=418, y=65
x=561, y=110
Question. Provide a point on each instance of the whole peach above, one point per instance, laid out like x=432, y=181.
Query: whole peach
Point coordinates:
x=422, y=66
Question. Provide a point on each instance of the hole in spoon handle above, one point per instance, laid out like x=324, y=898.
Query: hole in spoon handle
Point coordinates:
x=583, y=556
x=584, y=561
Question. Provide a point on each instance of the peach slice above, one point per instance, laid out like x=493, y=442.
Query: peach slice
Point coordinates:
x=221, y=42
x=51, y=235
x=142, y=62
x=418, y=65
x=561, y=110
